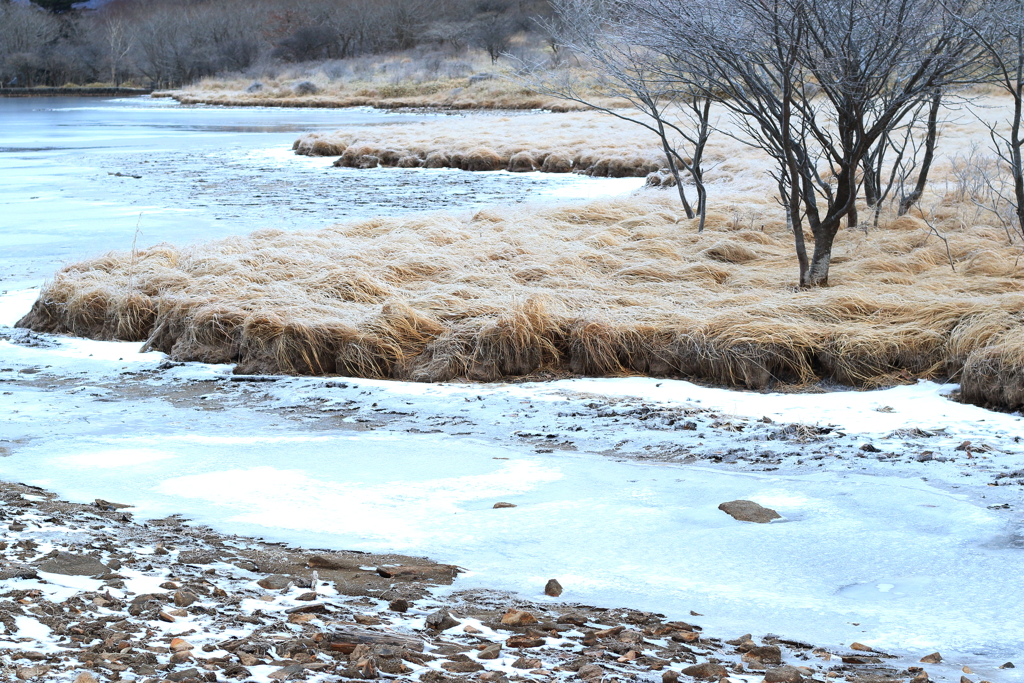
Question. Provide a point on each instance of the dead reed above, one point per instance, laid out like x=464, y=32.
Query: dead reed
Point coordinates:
x=607, y=288
x=580, y=142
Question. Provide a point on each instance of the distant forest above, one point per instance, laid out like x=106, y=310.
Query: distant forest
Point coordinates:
x=168, y=43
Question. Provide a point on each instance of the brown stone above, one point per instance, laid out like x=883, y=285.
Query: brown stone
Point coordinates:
x=492, y=651
x=516, y=617
x=670, y=676
x=181, y=645
x=275, y=582
x=85, y=677
x=498, y=506
x=590, y=672
x=553, y=588
x=184, y=598
x=398, y=605
x=524, y=642
x=933, y=658
x=321, y=562
x=441, y=621
x=164, y=616
x=783, y=674
x=708, y=671
x=749, y=511
x=70, y=564
x=860, y=647
x=763, y=656
x=527, y=663
x=27, y=673
x=462, y=667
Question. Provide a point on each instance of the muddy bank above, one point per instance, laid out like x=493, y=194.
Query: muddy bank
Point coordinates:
x=93, y=595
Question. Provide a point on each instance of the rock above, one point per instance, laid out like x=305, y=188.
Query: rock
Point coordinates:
x=462, y=667
x=498, y=506
x=764, y=655
x=181, y=657
x=783, y=674
x=286, y=672
x=492, y=651
x=749, y=511
x=185, y=674
x=321, y=562
x=524, y=642
x=745, y=638
x=255, y=86
x=85, y=677
x=933, y=658
x=527, y=663
x=108, y=506
x=516, y=617
x=184, y=598
x=1008, y=665
x=274, y=582
x=590, y=672
x=27, y=673
x=492, y=677
x=70, y=564
x=553, y=588
x=670, y=676
x=708, y=671
x=181, y=645
x=441, y=621
x=164, y=616
x=921, y=677
x=308, y=596
x=860, y=647
x=574, y=619
x=469, y=628
x=965, y=679
x=399, y=605
x=869, y=448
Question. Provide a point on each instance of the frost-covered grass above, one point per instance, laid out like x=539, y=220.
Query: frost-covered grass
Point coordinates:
x=420, y=78
x=611, y=287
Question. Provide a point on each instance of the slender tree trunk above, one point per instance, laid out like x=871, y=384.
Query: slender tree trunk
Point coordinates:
x=929, y=155
x=674, y=170
x=1015, y=140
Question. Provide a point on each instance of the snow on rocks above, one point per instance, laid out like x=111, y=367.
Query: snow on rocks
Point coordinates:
x=238, y=625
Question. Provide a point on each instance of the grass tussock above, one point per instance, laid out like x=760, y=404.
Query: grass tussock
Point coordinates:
x=608, y=288
x=580, y=142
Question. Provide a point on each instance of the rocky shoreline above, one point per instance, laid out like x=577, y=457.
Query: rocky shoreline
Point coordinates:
x=89, y=594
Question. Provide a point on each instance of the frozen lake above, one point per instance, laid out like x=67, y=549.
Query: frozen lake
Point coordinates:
x=204, y=173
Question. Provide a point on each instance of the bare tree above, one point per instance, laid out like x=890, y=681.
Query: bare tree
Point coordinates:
x=816, y=84
x=1000, y=29
x=678, y=115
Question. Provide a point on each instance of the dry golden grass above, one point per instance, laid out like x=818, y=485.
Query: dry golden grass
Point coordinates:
x=394, y=81
x=582, y=142
x=612, y=287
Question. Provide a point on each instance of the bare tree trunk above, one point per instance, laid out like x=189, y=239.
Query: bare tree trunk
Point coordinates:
x=929, y=155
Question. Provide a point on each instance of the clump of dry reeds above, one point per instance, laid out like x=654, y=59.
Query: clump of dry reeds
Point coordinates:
x=583, y=142
x=612, y=287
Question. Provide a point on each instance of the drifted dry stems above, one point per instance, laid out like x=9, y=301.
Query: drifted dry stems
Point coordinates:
x=607, y=288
